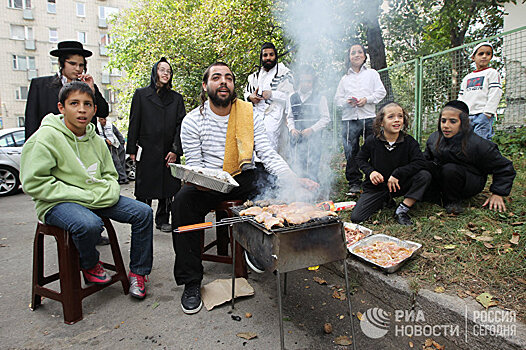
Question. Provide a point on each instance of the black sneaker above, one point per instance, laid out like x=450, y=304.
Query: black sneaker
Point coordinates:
x=354, y=190
x=191, y=300
x=454, y=208
x=103, y=240
x=403, y=219
x=253, y=263
x=164, y=227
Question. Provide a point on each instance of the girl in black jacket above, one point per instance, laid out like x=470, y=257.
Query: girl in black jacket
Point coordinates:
x=461, y=161
x=393, y=166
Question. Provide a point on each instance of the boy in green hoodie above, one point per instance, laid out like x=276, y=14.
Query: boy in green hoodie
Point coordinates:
x=68, y=171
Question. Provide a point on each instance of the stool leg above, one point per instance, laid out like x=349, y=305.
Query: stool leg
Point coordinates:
x=117, y=256
x=38, y=268
x=69, y=269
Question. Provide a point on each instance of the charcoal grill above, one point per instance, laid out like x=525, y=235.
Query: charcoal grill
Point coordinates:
x=290, y=248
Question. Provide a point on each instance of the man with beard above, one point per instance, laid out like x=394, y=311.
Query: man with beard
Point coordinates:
x=223, y=133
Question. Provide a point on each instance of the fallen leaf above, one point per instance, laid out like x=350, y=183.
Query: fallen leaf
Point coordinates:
x=248, y=315
x=486, y=300
x=517, y=223
x=411, y=344
x=428, y=342
x=440, y=289
x=487, y=245
x=359, y=315
x=247, y=335
x=437, y=346
x=327, y=328
x=515, y=238
x=429, y=255
x=342, y=317
x=343, y=340
x=438, y=238
x=450, y=246
x=155, y=305
x=319, y=280
x=484, y=238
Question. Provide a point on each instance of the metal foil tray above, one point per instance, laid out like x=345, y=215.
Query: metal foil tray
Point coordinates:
x=365, y=230
x=186, y=174
x=385, y=238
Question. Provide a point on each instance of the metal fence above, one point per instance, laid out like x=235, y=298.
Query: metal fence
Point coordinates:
x=425, y=84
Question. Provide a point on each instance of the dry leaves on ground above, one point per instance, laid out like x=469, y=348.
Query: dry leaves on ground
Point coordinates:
x=343, y=340
x=515, y=238
x=247, y=335
x=486, y=300
x=319, y=280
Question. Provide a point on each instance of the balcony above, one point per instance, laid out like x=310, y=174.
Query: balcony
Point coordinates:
x=30, y=44
x=31, y=73
x=28, y=14
x=103, y=23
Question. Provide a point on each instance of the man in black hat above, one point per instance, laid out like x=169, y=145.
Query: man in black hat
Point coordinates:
x=42, y=98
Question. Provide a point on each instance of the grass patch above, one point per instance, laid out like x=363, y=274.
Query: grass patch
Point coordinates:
x=450, y=258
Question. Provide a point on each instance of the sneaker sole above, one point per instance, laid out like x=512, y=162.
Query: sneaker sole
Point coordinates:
x=193, y=311
x=255, y=269
x=138, y=296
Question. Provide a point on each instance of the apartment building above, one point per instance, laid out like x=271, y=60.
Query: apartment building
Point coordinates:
x=29, y=29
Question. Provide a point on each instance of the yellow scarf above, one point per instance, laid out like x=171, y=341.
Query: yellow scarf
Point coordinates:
x=239, y=144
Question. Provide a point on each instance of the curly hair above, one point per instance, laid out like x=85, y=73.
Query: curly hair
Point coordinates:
x=378, y=120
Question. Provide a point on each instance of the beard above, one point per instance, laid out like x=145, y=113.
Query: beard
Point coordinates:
x=268, y=65
x=219, y=101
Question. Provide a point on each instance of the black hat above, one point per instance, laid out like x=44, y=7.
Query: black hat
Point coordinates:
x=458, y=105
x=70, y=48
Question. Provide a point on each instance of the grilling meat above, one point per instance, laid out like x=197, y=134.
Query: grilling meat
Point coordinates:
x=294, y=214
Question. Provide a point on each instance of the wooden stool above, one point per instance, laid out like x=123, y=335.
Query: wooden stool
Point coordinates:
x=223, y=238
x=71, y=292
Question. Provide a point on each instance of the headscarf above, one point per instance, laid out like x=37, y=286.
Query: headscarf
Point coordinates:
x=153, y=80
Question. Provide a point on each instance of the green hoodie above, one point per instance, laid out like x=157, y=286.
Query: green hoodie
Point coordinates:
x=57, y=167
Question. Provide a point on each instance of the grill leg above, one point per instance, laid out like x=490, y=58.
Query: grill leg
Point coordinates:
x=281, y=335
x=349, y=302
x=233, y=271
x=285, y=283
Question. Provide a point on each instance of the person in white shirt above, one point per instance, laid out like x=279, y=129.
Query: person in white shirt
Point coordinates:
x=307, y=117
x=358, y=93
x=481, y=90
x=223, y=133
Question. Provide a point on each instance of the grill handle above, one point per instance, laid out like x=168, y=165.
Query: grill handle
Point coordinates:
x=194, y=227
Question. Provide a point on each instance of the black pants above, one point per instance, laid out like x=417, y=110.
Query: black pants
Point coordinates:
x=190, y=206
x=375, y=198
x=351, y=131
x=453, y=183
x=162, y=214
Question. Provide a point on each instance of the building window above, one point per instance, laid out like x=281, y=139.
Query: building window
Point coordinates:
x=54, y=65
x=81, y=9
x=105, y=12
x=81, y=37
x=53, y=35
x=21, y=123
x=21, y=93
x=105, y=39
x=23, y=62
x=21, y=32
x=51, y=6
x=19, y=4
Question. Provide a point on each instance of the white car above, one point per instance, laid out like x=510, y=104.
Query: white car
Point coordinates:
x=11, y=142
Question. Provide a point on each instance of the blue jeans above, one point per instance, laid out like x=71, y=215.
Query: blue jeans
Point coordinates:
x=351, y=131
x=482, y=125
x=85, y=227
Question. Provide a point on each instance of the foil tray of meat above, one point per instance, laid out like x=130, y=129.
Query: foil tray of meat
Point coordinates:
x=355, y=233
x=213, y=179
x=385, y=252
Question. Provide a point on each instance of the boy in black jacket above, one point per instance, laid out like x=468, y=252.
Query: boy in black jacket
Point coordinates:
x=393, y=166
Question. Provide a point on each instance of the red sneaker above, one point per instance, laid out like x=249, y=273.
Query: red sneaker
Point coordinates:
x=96, y=274
x=137, y=286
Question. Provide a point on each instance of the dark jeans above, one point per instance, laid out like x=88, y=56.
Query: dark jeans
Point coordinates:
x=190, y=207
x=85, y=227
x=377, y=197
x=164, y=207
x=453, y=183
x=351, y=131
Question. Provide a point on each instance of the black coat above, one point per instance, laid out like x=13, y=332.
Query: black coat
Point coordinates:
x=155, y=125
x=482, y=158
x=402, y=162
x=42, y=99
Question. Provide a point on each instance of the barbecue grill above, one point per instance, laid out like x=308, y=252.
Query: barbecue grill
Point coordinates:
x=293, y=247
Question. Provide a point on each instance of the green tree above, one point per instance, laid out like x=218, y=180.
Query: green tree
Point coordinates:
x=191, y=35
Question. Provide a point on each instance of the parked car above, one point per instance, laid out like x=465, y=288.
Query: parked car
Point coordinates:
x=11, y=142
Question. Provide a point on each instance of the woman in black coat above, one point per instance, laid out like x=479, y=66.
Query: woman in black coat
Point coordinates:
x=155, y=125
x=461, y=161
